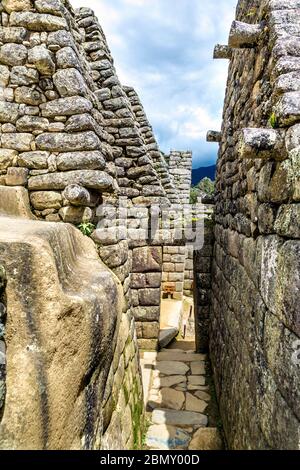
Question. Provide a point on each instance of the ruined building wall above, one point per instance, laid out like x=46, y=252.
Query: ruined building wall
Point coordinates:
x=178, y=264
x=255, y=318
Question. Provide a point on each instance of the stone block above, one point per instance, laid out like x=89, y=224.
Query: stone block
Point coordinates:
x=8, y=158
x=114, y=255
x=16, y=5
x=9, y=112
x=42, y=58
x=213, y=136
x=90, y=179
x=75, y=215
x=146, y=314
x=66, y=57
x=38, y=21
x=13, y=54
x=16, y=176
x=33, y=160
x=288, y=221
x=59, y=142
x=179, y=286
x=147, y=259
x=262, y=143
x=222, y=52
x=32, y=123
x=139, y=280
x=288, y=108
x=168, y=267
x=175, y=277
x=148, y=344
x=292, y=139
x=42, y=200
x=147, y=330
x=149, y=297
x=179, y=267
x=48, y=6
x=69, y=82
x=28, y=95
x=66, y=107
x=244, y=35
x=93, y=160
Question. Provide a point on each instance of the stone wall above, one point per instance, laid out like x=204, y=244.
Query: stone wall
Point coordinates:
x=189, y=272
x=173, y=269
x=254, y=329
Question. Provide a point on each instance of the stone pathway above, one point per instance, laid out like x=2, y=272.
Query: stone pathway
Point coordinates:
x=177, y=400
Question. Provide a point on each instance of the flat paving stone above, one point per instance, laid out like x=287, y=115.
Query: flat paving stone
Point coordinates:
x=194, y=404
x=181, y=357
x=162, y=437
x=198, y=368
x=196, y=380
x=179, y=418
x=168, y=398
x=206, y=439
x=167, y=335
x=161, y=382
x=172, y=368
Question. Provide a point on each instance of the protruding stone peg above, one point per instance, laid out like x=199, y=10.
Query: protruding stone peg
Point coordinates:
x=213, y=136
x=262, y=143
x=243, y=35
x=222, y=52
x=77, y=195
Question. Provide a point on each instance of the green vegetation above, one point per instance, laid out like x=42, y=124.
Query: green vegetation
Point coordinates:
x=252, y=12
x=206, y=185
x=87, y=228
x=273, y=121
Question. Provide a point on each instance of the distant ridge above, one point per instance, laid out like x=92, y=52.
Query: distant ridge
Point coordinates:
x=203, y=172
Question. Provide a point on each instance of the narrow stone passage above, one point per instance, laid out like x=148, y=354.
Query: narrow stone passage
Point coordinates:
x=178, y=400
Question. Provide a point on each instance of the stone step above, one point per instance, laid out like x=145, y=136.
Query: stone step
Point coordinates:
x=195, y=404
x=179, y=418
x=162, y=437
x=172, y=368
x=181, y=357
x=169, y=398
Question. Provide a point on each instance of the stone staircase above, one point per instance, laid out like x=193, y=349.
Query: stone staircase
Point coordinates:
x=178, y=401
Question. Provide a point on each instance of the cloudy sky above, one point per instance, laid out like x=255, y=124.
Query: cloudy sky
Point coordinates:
x=164, y=49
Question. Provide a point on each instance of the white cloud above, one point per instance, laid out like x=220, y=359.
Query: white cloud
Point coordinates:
x=164, y=49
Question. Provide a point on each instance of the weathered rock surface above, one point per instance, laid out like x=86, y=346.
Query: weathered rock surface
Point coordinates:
x=206, y=439
x=40, y=360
